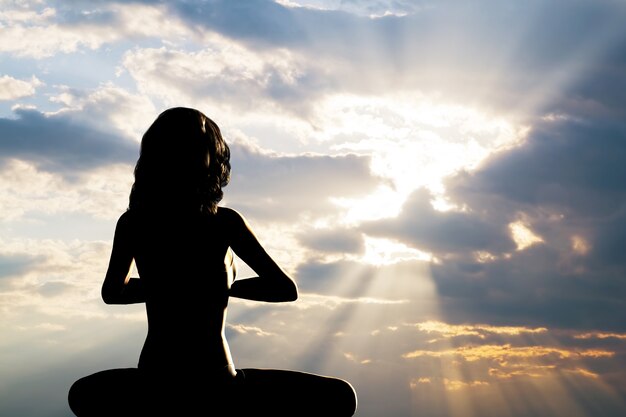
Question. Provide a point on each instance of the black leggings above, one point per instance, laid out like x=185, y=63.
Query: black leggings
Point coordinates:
x=133, y=392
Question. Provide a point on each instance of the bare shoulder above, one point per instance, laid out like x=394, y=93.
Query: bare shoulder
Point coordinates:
x=125, y=219
x=230, y=216
x=125, y=224
x=235, y=222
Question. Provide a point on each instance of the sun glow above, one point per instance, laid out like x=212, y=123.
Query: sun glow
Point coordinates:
x=523, y=236
x=380, y=251
x=414, y=141
x=580, y=245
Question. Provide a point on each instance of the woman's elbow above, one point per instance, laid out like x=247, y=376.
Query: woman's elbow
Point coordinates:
x=109, y=295
x=107, y=298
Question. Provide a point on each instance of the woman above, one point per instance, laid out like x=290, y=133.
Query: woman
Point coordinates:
x=182, y=244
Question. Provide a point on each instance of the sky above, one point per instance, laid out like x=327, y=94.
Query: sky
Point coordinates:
x=443, y=179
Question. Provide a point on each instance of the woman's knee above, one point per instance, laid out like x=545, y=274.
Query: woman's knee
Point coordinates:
x=93, y=394
x=347, y=398
x=78, y=396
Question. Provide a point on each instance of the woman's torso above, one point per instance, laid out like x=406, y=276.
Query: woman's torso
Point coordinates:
x=180, y=258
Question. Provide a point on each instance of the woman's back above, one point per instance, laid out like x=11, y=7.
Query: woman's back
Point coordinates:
x=181, y=257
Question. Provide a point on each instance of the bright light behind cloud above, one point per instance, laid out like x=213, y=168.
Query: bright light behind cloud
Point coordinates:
x=414, y=141
x=373, y=10
x=523, y=236
x=386, y=252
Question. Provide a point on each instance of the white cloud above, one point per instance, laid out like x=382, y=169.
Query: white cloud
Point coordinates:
x=108, y=108
x=372, y=9
x=79, y=266
x=243, y=329
x=28, y=192
x=22, y=13
x=38, y=34
x=12, y=88
x=222, y=75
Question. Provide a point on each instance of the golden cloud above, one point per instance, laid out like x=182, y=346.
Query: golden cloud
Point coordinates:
x=480, y=330
x=506, y=351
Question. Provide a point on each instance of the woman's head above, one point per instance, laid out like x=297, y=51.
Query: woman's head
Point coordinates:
x=183, y=161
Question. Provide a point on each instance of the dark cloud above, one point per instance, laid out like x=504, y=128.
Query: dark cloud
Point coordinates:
x=568, y=180
x=335, y=240
x=531, y=288
x=425, y=228
x=286, y=187
x=56, y=143
x=572, y=166
x=599, y=91
x=268, y=24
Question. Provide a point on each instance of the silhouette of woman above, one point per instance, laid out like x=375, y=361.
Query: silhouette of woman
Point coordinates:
x=182, y=244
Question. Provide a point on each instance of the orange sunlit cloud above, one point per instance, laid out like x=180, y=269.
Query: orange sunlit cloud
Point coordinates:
x=473, y=363
x=507, y=352
x=601, y=335
x=480, y=330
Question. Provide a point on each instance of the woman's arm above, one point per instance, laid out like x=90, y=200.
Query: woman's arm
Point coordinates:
x=272, y=283
x=118, y=287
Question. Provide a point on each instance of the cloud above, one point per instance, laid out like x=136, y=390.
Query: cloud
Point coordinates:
x=31, y=195
x=536, y=233
x=243, y=329
x=57, y=144
x=14, y=265
x=475, y=359
x=43, y=32
x=506, y=352
x=270, y=186
x=52, y=277
x=108, y=108
x=12, y=89
x=601, y=335
x=335, y=240
x=571, y=166
x=480, y=330
x=566, y=185
x=54, y=288
x=425, y=228
x=371, y=9
x=456, y=50
x=259, y=22
x=229, y=77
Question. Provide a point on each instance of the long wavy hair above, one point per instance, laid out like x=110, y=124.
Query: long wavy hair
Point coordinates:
x=183, y=163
